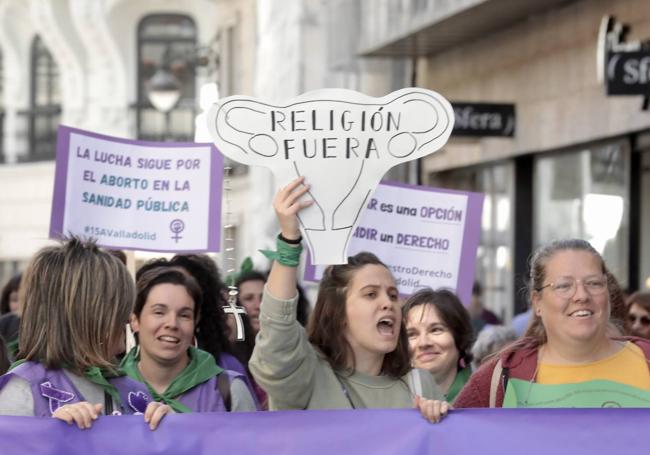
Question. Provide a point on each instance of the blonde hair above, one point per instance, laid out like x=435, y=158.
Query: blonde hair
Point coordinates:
x=76, y=300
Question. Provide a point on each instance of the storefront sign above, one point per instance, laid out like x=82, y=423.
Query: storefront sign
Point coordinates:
x=426, y=236
x=628, y=73
x=623, y=67
x=137, y=195
x=484, y=119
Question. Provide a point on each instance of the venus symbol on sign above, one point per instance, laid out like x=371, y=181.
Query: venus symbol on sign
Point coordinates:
x=177, y=226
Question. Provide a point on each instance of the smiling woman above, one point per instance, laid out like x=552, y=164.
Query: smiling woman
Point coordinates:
x=567, y=351
x=440, y=336
x=355, y=352
x=164, y=319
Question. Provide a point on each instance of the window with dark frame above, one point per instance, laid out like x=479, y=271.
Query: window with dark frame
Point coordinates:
x=166, y=41
x=44, y=113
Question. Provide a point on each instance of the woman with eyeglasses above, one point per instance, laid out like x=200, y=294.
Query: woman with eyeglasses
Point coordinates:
x=567, y=358
x=638, y=315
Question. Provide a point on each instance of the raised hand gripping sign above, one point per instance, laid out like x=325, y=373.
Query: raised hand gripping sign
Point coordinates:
x=342, y=141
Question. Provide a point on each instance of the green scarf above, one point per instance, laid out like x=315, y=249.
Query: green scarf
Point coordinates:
x=95, y=375
x=100, y=377
x=201, y=368
x=13, y=348
x=459, y=381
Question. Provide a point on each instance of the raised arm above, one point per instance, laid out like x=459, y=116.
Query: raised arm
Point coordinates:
x=282, y=278
x=283, y=361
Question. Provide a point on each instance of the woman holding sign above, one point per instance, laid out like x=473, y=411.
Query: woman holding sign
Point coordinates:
x=355, y=353
x=76, y=301
x=568, y=358
x=176, y=373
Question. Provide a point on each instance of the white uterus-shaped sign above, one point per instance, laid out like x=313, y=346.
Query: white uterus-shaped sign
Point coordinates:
x=342, y=141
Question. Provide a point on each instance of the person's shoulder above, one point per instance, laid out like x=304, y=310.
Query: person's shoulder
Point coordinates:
x=242, y=397
x=16, y=396
x=8, y=320
x=8, y=317
x=642, y=343
x=421, y=382
x=476, y=392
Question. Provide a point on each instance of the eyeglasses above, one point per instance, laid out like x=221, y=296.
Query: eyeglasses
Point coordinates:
x=643, y=320
x=566, y=287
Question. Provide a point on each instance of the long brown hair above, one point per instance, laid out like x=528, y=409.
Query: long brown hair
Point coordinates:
x=326, y=327
x=76, y=300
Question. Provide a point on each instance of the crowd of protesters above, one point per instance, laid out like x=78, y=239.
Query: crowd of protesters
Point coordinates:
x=62, y=335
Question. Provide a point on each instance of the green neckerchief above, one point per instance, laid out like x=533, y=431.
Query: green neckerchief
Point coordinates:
x=200, y=368
x=462, y=376
x=16, y=363
x=100, y=377
x=95, y=375
x=12, y=347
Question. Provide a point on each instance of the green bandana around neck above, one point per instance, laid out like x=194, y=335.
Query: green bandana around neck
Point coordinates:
x=462, y=376
x=200, y=368
x=100, y=377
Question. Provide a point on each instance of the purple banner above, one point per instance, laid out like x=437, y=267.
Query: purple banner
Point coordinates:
x=127, y=194
x=467, y=431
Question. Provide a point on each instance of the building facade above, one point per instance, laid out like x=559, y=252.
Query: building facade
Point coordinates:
x=87, y=64
x=577, y=164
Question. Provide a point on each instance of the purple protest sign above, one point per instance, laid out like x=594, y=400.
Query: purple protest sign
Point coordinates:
x=427, y=236
x=152, y=196
x=466, y=431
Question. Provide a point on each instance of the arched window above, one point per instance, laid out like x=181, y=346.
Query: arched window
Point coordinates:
x=167, y=50
x=44, y=112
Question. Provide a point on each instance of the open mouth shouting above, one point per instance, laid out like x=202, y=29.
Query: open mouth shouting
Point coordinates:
x=386, y=326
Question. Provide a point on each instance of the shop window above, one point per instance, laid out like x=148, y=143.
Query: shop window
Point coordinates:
x=494, y=261
x=584, y=194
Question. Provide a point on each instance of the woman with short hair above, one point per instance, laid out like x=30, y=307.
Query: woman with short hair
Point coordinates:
x=76, y=301
x=440, y=337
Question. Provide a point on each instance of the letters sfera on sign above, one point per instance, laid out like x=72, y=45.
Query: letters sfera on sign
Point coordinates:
x=484, y=119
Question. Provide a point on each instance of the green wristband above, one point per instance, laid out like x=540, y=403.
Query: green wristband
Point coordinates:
x=286, y=254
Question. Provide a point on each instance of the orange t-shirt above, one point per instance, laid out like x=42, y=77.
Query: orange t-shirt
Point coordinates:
x=628, y=366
